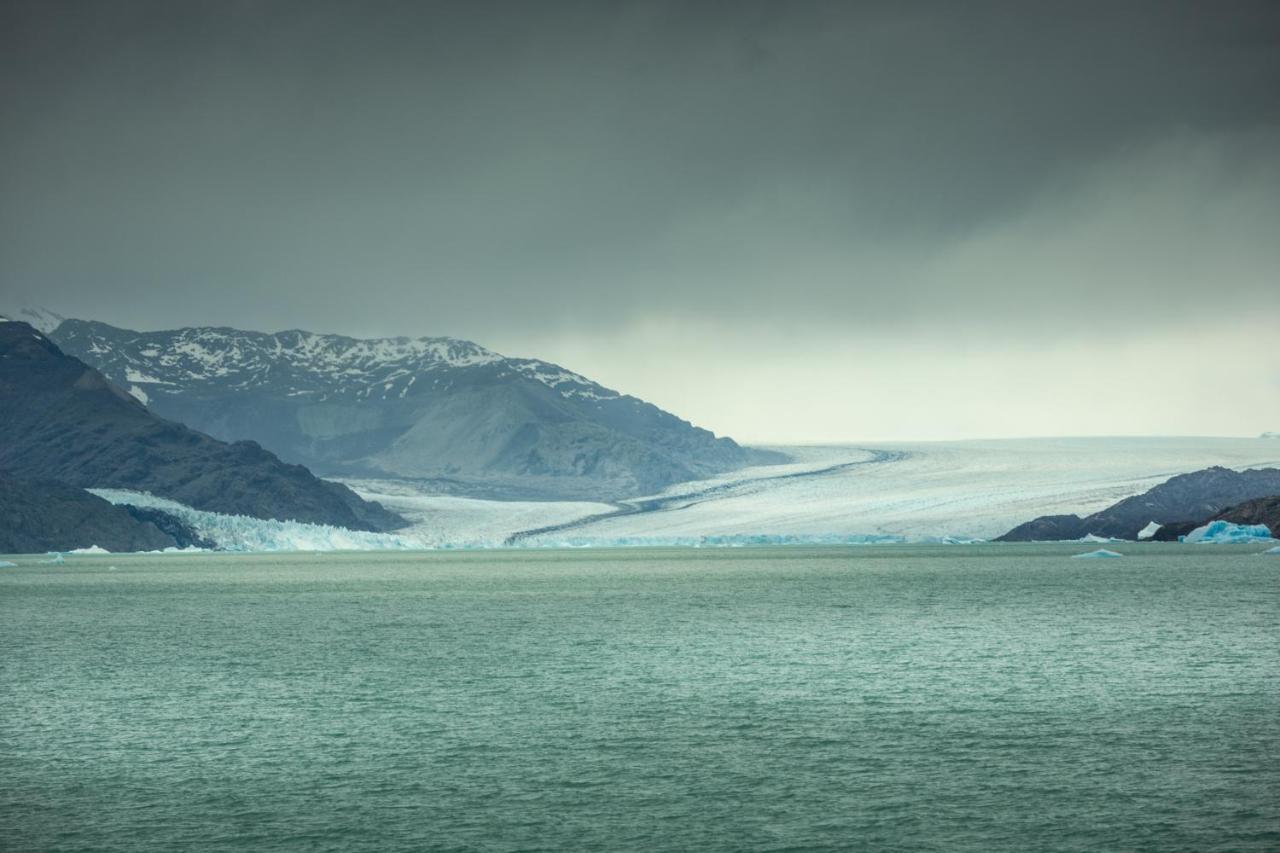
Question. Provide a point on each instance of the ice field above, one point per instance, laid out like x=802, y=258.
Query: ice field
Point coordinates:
x=963, y=490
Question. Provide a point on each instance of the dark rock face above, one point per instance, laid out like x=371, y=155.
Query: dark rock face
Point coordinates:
x=184, y=536
x=1185, y=498
x=435, y=409
x=1174, y=530
x=1258, y=511
x=37, y=517
x=62, y=420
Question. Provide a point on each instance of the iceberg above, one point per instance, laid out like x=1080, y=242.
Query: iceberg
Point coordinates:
x=92, y=549
x=1100, y=554
x=245, y=533
x=1093, y=538
x=55, y=559
x=1150, y=530
x=1275, y=551
x=5, y=564
x=1226, y=532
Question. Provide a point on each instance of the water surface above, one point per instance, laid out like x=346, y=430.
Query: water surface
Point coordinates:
x=900, y=698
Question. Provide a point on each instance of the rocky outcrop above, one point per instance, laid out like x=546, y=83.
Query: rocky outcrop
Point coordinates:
x=63, y=421
x=1183, y=499
x=1264, y=511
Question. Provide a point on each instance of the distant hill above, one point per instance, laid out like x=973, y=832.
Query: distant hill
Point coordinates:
x=61, y=420
x=440, y=409
x=1187, y=497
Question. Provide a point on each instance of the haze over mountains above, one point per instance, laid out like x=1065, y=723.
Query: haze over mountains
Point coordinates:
x=447, y=411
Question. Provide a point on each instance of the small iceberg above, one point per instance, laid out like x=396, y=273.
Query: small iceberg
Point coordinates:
x=1094, y=538
x=5, y=564
x=55, y=559
x=1150, y=530
x=92, y=549
x=1227, y=533
x=1274, y=551
x=1100, y=554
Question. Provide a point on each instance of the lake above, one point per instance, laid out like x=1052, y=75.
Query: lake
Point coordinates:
x=868, y=698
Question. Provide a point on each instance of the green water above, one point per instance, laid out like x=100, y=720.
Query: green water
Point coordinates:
x=902, y=698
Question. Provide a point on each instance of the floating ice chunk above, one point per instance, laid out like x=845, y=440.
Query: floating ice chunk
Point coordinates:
x=1150, y=530
x=92, y=549
x=55, y=559
x=1093, y=537
x=1275, y=551
x=1226, y=532
x=1100, y=554
x=5, y=564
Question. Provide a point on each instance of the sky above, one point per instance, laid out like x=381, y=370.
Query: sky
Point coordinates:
x=786, y=222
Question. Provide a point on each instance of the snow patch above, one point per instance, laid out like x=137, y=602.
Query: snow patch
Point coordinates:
x=1226, y=532
x=139, y=394
x=1150, y=530
x=131, y=375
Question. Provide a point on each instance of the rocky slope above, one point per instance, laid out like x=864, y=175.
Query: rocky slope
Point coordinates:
x=1187, y=497
x=439, y=409
x=43, y=516
x=1258, y=511
x=61, y=420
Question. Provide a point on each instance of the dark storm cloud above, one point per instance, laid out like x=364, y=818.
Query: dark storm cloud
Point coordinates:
x=470, y=168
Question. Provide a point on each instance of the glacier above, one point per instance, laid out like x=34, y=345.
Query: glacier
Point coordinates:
x=244, y=533
x=743, y=540
x=1226, y=532
x=924, y=492
x=1100, y=554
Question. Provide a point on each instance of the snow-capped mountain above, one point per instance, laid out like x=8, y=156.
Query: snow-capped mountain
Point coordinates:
x=61, y=421
x=437, y=409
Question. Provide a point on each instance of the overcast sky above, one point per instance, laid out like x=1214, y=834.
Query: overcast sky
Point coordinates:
x=785, y=221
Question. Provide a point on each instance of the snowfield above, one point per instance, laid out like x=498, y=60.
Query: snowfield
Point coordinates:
x=940, y=491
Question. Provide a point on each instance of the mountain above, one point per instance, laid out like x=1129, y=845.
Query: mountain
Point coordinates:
x=61, y=420
x=438, y=409
x=1186, y=497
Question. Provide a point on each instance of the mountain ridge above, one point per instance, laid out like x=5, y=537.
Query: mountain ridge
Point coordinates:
x=438, y=409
